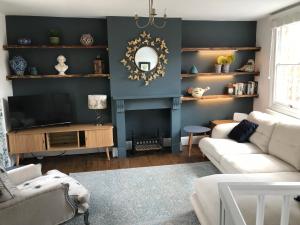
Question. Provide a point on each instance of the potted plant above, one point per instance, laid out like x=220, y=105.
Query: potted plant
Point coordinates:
x=227, y=62
x=218, y=65
x=54, y=37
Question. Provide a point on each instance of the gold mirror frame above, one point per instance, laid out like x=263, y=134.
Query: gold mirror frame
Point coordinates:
x=145, y=40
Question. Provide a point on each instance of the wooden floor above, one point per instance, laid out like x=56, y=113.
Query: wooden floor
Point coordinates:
x=98, y=161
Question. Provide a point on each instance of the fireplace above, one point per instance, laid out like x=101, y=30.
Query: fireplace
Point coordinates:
x=122, y=105
x=147, y=143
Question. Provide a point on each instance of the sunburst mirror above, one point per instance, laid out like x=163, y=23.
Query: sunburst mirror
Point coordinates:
x=146, y=58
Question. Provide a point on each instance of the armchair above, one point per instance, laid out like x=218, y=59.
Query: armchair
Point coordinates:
x=49, y=199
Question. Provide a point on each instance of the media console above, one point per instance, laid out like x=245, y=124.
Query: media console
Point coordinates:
x=60, y=138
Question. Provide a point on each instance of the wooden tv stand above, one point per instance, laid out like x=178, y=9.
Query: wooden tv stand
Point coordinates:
x=60, y=138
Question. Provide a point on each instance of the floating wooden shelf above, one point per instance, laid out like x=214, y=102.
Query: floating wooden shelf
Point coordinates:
x=6, y=47
x=190, y=98
x=221, y=49
x=219, y=74
x=14, y=77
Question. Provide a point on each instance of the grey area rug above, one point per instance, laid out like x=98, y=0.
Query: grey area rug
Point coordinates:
x=157, y=195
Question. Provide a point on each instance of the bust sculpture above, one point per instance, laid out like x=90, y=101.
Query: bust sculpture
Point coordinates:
x=61, y=67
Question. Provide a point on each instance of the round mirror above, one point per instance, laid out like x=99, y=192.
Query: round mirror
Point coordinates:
x=146, y=58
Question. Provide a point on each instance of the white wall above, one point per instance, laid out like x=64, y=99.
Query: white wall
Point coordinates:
x=5, y=86
x=263, y=39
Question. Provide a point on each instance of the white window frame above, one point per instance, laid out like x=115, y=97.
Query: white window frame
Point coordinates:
x=277, y=107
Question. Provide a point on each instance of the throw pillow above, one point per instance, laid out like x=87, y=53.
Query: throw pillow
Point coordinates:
x=297, y=198
x=242, y=132
x=7, y=189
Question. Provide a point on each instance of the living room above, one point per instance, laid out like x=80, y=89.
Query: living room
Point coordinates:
x=149, y=112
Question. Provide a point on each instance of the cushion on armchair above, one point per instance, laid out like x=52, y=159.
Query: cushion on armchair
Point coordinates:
x=242, y=131
x=7, y=189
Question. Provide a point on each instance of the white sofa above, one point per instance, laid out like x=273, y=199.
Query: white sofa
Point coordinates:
x=272, y=155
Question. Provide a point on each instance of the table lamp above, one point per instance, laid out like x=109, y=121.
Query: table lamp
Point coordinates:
x=97, y=102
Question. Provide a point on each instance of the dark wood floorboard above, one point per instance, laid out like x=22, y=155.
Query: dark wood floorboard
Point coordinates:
x=98, y=161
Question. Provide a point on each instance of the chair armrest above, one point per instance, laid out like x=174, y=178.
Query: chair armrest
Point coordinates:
x=49, y=203
x=222, y=130
x=19, y=175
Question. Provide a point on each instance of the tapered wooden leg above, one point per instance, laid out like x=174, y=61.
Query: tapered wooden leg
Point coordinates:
x=107, y=153
x=190, y=143
x=17, y=159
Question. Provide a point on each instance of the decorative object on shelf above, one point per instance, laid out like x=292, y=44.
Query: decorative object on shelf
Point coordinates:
x=18, y=64
x=230, y=89
x=151, y=19
x=142, y=51
x=218, y=68
x=97, y=102
x=198, y=92
x=54, y=37
x=226, y=62
x=33, y=70
x=61, y=67
x=194, y=70
x=86, y=39
x=24, y=41
x=98, y=65
x=249, y=67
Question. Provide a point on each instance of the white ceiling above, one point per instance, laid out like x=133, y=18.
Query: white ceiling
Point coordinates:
x=186, y=9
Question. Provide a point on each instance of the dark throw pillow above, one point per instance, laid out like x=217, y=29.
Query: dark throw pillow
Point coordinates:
x=242, y=132
x=297, y=198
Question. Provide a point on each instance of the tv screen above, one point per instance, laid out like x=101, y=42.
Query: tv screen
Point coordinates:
x=39, y=110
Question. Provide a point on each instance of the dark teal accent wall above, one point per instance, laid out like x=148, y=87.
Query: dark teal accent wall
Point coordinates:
x=120, y=31
x=214, y=34
x=116, y=32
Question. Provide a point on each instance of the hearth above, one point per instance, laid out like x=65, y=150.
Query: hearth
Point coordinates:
x=147, y=143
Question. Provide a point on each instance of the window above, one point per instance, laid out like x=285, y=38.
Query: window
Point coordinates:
x=286, y=69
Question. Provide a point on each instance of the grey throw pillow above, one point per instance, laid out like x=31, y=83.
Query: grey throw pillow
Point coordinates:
x=7, y=189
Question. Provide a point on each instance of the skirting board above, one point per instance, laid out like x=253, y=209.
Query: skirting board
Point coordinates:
x=166, y=143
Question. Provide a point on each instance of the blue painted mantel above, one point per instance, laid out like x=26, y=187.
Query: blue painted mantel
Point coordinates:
x=121, y=105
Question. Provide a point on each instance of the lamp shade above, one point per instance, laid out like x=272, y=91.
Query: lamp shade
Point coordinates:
x=97, y=101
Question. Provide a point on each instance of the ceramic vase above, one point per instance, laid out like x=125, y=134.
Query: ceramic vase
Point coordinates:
x=194, y=70
x=86, y=39
x=218, y=68
x=18, y=65
x=54, y=40
x=226, y=68
x=98, y=65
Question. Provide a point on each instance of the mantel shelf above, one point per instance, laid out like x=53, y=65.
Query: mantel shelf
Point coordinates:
x=6, y=47
x=190, y=98
x=221, y=49
x=219, y=74
x=15, y=77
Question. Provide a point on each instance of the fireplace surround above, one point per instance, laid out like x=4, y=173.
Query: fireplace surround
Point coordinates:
x=121, y=105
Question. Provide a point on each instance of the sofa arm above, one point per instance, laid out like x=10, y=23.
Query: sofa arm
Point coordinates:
x=222, y=130
x=44, y=205
x=19, y=175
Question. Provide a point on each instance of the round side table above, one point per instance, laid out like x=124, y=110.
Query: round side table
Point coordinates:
x=194, y=130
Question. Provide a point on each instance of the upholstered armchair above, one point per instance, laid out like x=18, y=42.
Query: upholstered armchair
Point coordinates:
x=29, y=198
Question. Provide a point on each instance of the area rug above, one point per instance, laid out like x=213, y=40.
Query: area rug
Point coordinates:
x=158, y=195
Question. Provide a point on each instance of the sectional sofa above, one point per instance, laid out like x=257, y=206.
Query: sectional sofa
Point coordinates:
x=271, y=155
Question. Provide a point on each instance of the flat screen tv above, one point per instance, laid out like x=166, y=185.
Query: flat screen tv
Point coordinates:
x=39, y=110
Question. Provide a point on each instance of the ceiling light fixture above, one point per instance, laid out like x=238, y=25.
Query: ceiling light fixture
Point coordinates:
x=152, y=14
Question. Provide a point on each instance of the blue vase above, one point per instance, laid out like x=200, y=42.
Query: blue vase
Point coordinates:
x=194, y=70
x=18, y=64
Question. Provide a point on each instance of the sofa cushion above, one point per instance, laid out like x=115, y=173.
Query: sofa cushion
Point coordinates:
x=285, y=143
x=242, y=131
x=266, y=123
x=211, y=202
x=216, y=148
x=7, y=189
x=254, y=163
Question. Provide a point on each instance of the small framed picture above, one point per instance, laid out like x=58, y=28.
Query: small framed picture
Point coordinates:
x=144, y=66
